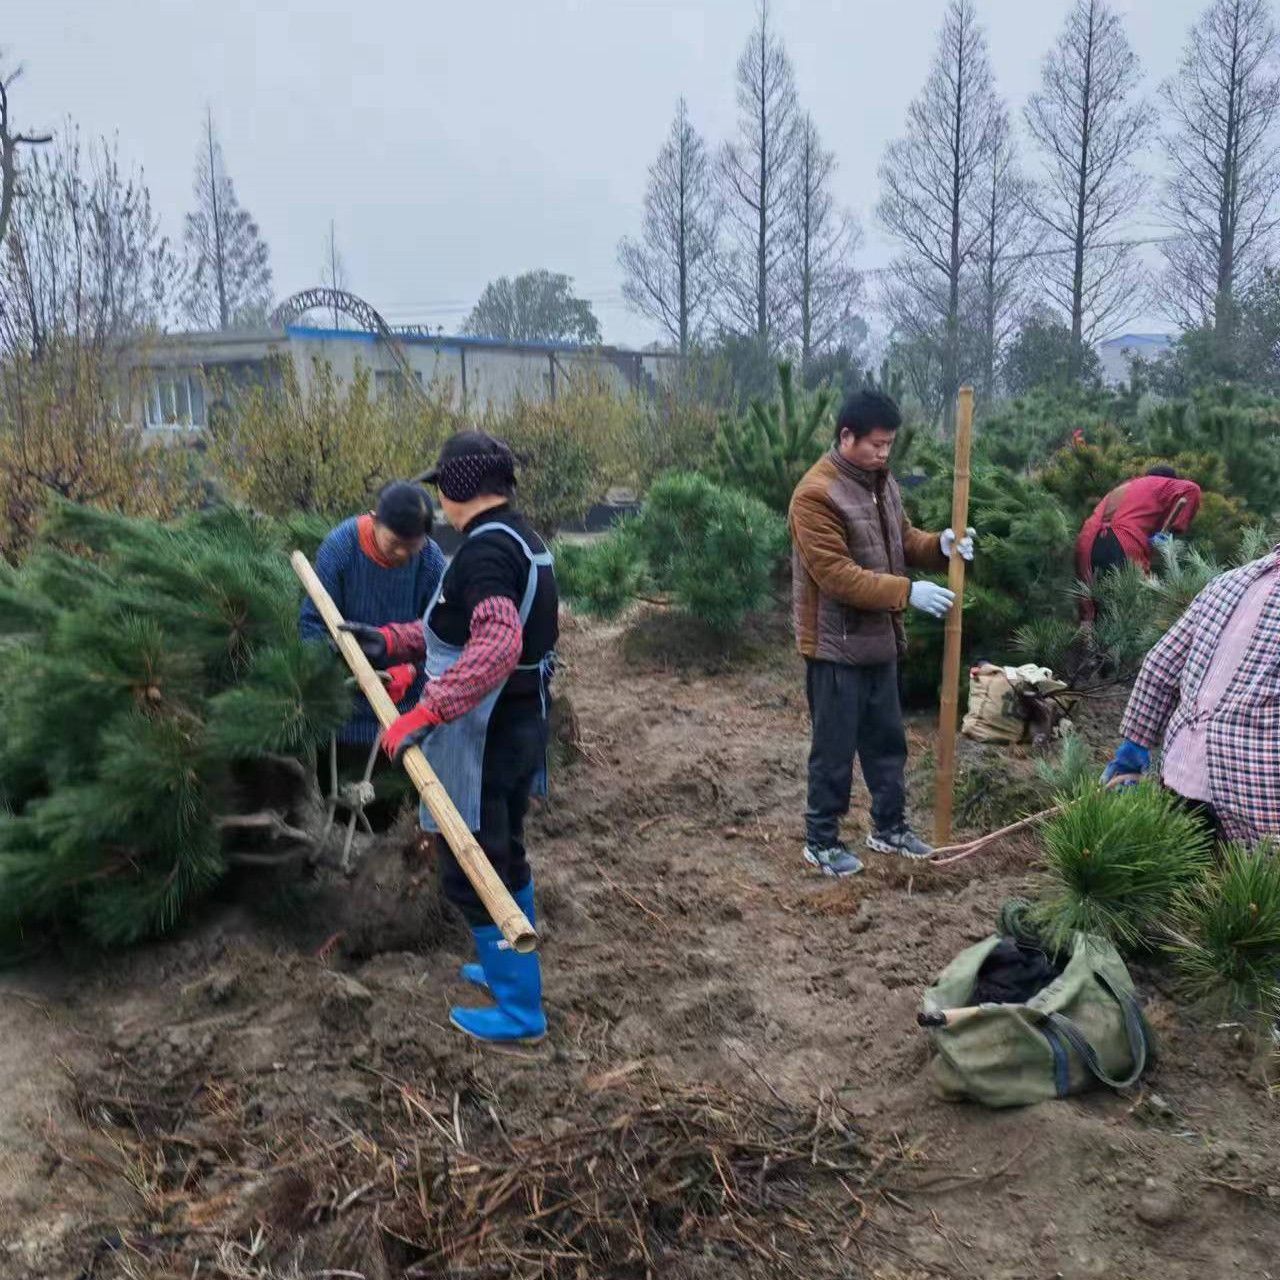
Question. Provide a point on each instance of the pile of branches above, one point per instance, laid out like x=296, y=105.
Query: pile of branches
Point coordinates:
x=651, y=1181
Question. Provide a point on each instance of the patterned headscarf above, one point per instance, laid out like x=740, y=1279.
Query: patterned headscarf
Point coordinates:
x=461, y=478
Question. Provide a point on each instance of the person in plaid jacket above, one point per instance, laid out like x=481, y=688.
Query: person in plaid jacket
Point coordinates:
x=1209, y=696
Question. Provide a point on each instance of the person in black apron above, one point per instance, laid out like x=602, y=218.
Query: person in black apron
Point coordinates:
x=487, y=641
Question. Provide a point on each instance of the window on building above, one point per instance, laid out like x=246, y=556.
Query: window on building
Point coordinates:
x=175, y=400
x=391, y=382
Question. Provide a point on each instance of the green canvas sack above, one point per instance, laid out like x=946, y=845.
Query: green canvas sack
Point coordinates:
x=1084, y=1027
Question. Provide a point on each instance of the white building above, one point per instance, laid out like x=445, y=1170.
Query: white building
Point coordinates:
x=178, y=371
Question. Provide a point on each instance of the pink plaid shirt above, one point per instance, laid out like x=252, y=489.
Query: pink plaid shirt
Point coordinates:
x=1224, y=689
x=1185, y=766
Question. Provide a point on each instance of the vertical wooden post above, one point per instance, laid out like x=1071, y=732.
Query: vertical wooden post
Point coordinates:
x=946, y=750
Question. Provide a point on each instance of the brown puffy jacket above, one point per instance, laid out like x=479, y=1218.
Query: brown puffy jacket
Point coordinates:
x=851, y=546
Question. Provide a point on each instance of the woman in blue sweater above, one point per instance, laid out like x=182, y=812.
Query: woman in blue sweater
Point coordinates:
x=380, y=568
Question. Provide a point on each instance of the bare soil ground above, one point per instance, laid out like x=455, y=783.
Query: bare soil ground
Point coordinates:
x=734, y=1083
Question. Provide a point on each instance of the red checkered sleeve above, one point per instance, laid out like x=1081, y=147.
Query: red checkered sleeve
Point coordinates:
x=489, y=657
x=406, y=642
x=1156, y=690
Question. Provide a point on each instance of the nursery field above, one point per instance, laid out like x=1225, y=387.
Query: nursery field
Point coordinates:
x=733, y=1083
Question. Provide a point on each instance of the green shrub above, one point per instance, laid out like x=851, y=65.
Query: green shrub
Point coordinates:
x=1024, y=537
x=1244, y=438
x=675, y=432
x=561, y=465
x=1022, y=434
x=150, y=671
x=603, y=577
x=326, y=445
x=767, y=452
x=1227, y=943
x=1049, y=642
x=1115, y=862
x=714, y=551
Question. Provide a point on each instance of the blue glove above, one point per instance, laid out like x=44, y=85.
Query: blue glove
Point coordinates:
x=1129, y=758
x=1160, y=539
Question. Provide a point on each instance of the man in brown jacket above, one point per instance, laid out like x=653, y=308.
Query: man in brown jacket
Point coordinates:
x=852, y=544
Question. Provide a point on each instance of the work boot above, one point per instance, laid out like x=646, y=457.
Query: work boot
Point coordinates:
x=474, y=973
x=900, y=840
x=833, y=859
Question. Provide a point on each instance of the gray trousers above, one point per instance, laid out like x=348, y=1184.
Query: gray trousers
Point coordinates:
x=854, y=711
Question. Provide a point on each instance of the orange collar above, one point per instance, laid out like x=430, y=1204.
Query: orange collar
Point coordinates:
x=369, y=544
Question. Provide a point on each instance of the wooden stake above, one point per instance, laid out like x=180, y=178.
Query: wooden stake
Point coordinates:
x=497, y=900
x=946, y=750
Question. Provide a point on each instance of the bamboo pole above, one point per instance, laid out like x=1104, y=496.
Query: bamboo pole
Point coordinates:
x=497, y=900
x=946, y=752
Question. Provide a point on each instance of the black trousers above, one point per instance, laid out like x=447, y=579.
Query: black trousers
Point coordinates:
x=1107, y=553
x=515, y=749
x=854, y=711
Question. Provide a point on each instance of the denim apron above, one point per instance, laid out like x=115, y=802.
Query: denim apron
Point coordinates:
x=456, y=750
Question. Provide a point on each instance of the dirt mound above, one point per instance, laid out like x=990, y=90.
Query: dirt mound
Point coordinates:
x=734, y=1083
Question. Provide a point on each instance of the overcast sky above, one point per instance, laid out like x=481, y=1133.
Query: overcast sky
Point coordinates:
x=453, y=143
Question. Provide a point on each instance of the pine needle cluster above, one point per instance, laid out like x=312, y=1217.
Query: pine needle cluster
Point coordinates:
x=147, y=667
x=1227, y=931
x=1115, y=863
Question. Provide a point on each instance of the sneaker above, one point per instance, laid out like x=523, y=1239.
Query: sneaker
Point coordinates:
x=902, y=841
x=833, y=860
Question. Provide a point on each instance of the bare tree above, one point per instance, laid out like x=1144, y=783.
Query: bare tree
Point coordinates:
x=228, y=263
x=10, y=141
x=333, y=275
x=757, y=172
x=825, y=287
x=1224, y=166
x=670, y=272
x=1089, y=129
x=84, y=259
x=1003, y=260
x=932, y=194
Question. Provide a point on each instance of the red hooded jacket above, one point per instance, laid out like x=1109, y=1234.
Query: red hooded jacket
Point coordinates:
x=1134, y=511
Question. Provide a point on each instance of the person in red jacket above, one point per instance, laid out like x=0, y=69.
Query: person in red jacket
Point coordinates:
x=1134, y=517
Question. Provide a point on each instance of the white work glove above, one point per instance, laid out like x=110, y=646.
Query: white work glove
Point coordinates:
x=947, y=539
x=932, y=599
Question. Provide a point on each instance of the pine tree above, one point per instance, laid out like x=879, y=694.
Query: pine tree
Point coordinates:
x=767, y=452
x=159, y=715
x=228, y=264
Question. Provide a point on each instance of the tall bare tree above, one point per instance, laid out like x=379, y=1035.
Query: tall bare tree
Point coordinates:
x=757, y=172
x=825, y=286
x=85, y=259
x=333, y=274
x=670, y=272
x=228, y=263
x=931, y=200
x=1224, y=166
x=1003, y=259
x=10, y=141
x=1090, y=127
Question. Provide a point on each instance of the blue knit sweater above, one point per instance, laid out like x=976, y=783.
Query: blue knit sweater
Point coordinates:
x=366, y=592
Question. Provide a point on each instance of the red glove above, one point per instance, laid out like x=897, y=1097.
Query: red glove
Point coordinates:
x=409, y=730
x=400, y=680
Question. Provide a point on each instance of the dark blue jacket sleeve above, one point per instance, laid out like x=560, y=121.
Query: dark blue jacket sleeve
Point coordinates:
x=329, y=561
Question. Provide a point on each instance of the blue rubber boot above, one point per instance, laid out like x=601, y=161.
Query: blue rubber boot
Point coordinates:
x=515, y=983
x=474, y=973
